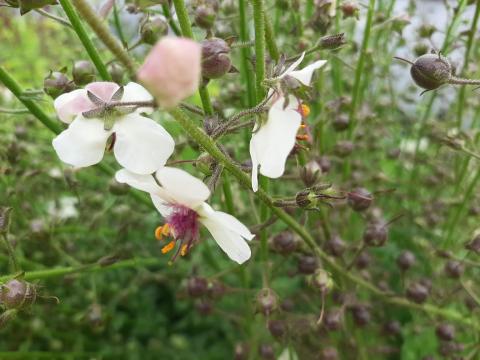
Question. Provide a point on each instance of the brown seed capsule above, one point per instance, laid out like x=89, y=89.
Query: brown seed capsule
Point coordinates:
x=454, y=269
x=341, y=122
x=307, y=264
x=363, y=260
x=375, y=234
x=325, y=164
x=392, y=328
x=360, y=199
x=277, y=328
x=17, y=294
x=332, y=319
x=215, y=58
x=285, y=242
x=361, y=315
x=266, y=352
x=335, y=246
x=417, y=292
x=474, y=245
x=267, y=301
x=406, y=260
x=197, y=286
x=310, y=173
x=445, y=332
x=329, y=353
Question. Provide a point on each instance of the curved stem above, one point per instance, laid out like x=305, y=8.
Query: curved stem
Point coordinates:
x=85, y=40
x=97, y=25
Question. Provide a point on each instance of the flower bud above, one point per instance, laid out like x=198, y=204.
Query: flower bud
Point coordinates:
x=267, y=301
x=310, y=173
x=332, y=42
x=361, y=315
x=363, y=260
x=335, y=246
x=406, y=260
x=307, y=264
x=341, y=122
x=215, y=58
x=322, y=280
x=332, y=320
x=17, y=294
x=417, y=292
x=117, y=72
x=266, y=352
x=204, y=308
x=359, y=199
x=445, y=332
x=350, y=9
x=426, y=30
x=305, y=199
x=454, y=269
x=171, y=71
x=83, y=72
x=56, y=84
x=392, y=328
x=152, y=29
x=285, y=242
x=431, y=71
x=277, y=328
x=197, y=286
x=205, y=16
x=375, y=234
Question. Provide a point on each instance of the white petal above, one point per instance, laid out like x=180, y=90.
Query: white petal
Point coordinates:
x=232, y=243
x=163, y=206
x=141, y=146
x=229, y=221
x=140, y=182
x=71, y=104
x=83, y=143
x=102, y=89
x=136, y=92
x=253, y=155
x=182, y=187
x=305, y=75
x=274, y=141
x=293, y=66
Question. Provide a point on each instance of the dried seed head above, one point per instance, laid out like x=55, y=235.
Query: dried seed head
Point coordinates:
x=277, y=328
x=285, y=242
x=205, y=16
x=307, y=264
x=406, y=260
x=332, y=42
x=350, y=9
x=17, y=294
x=376, y=234
x=360, y=199
x=335, y=246
x=445, y=332
x=197, y=286
x=454, y=269
x=417, y=292
x=83, y=72
x=332, y=320
x=310, y=173
x=267, y=301
x=215, y=58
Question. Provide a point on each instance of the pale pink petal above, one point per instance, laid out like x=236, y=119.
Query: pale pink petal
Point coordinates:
x=172, y=70
x=141, y=145
x=102, y=89
x=71, y=104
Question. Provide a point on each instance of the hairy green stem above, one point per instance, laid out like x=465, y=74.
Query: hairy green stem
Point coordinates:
x=209, y=145
x=270, y=39
x=84, y=39
x=245, y=52
x=103, y=33
x=89, y=268
x=259, y=24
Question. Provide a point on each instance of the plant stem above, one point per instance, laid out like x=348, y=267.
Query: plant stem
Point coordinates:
x=270, y=39
x=259, y=24
x=89, y=268
x=58, y=19
x=245, y=52
x=103, y=33
x=11, y=253
x=186, y=28
x=84, y=39
x=209, y=145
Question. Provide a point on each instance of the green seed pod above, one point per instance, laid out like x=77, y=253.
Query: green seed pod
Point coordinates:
x=117, y=72
x=430, y=71
x=83, y=72
x=56, y=84
x=205, y=17
x=17, y=294
x=152, y=29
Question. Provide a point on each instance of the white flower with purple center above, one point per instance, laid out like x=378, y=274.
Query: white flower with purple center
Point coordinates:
x=273, y=141
x=180, y=199
x=101, y=112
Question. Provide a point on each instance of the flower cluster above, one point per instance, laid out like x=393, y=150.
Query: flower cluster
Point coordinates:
x=105, y=115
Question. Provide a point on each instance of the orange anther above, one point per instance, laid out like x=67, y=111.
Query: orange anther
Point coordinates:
x=162, y=231
x=304, y=110
x=168, y=247
x=303, y=126
x=184, y=249
x=302, y=137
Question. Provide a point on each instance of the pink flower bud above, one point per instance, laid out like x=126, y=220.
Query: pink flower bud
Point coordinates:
x=171, y=72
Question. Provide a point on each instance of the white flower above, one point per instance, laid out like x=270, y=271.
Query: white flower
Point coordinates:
x=181, y=201
x=273, y=141
x=64, y=209
x=139, y=143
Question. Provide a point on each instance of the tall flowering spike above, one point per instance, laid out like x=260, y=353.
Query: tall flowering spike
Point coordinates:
x=272, y=142
x=181, y=201
x=139, y=143
x=172, y=70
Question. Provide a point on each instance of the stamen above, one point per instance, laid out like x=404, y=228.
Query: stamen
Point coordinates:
x=303, y=137
x=304, y=110
x=303, y=126
x=184, y=250
x=169, y=247
x=162, y=231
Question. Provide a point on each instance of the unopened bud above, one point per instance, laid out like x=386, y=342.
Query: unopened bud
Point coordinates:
x=117, y=72
x=310, y=173
x=152, y=29
x=56, y=84
x=332, y=42
x=360, y=199
x=197, y=286
x=284, y=243
x=350, y=9
x=83, y=72
x=215, y=58
x=267, y=301
x=205, y=17
x=17, y=294
x=322, y=280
